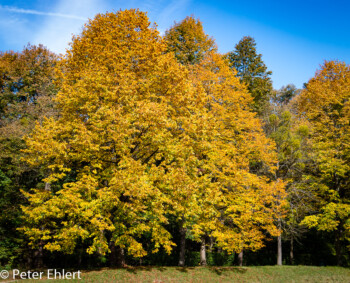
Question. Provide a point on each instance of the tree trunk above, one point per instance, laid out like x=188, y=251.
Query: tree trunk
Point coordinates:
x=116, y=257
x=47, y=187
x=120, y=257
x=182, y=246
x=240, y=258
x=291, y=251
x=338, y=248
x=203, y=252
x=38, y=256
x=80, y=257
x=279, y=245
x=30, y=260
x=211, y=244
x=279, y=250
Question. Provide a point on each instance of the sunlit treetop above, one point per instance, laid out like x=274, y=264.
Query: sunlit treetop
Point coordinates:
x=188, y=41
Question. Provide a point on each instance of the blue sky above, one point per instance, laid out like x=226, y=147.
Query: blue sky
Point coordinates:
x=294, y=37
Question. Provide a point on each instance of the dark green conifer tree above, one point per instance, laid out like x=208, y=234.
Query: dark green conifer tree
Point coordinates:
x=252, y=70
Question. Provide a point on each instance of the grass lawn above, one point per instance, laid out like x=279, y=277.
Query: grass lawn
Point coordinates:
x=296, y=274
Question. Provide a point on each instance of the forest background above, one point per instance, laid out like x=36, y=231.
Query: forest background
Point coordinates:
x=141, y=149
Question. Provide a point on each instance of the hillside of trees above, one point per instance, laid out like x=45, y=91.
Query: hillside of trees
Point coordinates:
x=136, y=148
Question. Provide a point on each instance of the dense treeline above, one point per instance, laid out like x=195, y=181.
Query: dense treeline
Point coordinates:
x=138, y=149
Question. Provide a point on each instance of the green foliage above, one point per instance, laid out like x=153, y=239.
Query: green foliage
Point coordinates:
x=252, y=71
x=6, y=246
x=294, y=162
x=325, y=105
x=26, y=91
x=288, y=141
x=286, y=94
x=188, y=41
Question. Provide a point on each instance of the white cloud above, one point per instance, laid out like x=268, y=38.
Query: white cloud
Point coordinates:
x=170, y=12
x=164, y=12
x=67, y=17
x=57, y=31
x=35, y=12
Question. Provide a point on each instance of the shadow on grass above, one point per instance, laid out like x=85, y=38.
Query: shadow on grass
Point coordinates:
x=135, y=269
x=221, y=270
x=214, y=269
x=184, y=269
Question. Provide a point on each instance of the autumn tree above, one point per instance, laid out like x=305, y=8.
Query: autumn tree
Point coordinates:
x=252, y=71
x=148, y=139
x=26, y=92
x=188, y=41
x=325, y=104
x=249, y=67
x=190, y=44
x=292, y=145
x=246, y=203
x=210, y=73
x=127, y=113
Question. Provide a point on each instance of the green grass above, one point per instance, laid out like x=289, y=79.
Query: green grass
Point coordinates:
x=269, y=274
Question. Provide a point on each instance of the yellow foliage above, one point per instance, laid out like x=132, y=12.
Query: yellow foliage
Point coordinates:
x=141, y=137
x=324, y=103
